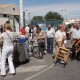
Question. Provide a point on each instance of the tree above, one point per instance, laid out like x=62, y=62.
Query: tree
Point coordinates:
x=37, y=18
x=53, y=15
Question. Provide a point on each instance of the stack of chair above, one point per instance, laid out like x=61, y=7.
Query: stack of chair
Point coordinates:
x=62, y=53
x=77, y=54
x=76, y=48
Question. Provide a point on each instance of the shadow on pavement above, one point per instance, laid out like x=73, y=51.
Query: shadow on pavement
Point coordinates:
x=17, y=64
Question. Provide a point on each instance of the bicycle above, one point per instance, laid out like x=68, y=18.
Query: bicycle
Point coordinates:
x=35, y=50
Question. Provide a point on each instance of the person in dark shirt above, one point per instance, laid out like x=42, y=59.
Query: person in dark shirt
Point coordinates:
x=1, y=29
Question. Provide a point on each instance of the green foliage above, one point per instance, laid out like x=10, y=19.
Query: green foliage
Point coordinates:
x=52, y=18
x=53, y=15
x=37, y=18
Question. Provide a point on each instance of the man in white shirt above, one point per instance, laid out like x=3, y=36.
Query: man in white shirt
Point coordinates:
x=77, y=36
x=73, y=31
x=27, y=30
x=60, y=34
x=50, y=37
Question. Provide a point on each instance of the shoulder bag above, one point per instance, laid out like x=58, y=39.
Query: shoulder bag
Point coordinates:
x=12, y=42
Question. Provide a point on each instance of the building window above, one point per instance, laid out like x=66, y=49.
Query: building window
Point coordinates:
x=5, y=15
x=14, y=9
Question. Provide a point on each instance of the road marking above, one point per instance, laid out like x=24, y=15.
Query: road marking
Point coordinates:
x=37, y=74
x=30, y=68
x=27, y=69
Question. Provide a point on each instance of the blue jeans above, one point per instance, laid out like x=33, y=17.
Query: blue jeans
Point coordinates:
x=50, y=45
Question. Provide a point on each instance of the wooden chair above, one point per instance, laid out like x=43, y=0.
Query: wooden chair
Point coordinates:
x=62, y=53
x=77, y=47
x=74, y=42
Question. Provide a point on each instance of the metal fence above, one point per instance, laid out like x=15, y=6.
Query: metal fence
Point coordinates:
x=54, y=22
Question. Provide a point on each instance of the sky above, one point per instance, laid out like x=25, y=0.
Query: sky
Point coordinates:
x=67, y=8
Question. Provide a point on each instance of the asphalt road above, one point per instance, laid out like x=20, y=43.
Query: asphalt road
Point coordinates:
x=26, y=70
x=44, y=69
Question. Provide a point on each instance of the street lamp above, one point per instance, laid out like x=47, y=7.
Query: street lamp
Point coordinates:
x=26, y=17
x=29, y=16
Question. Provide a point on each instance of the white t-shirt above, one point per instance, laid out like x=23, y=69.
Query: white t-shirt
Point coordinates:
x=35, y=30
x=73, y=31
x=6, y=40
x=77, y=35
x=50, y=33
x=27, y=29
x=59, y=35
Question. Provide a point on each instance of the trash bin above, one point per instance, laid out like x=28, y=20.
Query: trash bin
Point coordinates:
x=21, y=51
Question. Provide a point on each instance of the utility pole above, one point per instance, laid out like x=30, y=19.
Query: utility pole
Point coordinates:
x=26, y=18
x=21, y=13
x=29, y=17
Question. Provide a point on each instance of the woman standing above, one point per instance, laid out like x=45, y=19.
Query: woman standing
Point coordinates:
x=7, y=50
x=41, y=40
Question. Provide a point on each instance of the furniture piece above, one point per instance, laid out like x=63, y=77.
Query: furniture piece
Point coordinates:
x=62, y=53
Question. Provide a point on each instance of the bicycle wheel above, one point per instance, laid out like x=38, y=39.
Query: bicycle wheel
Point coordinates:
x=36, y=53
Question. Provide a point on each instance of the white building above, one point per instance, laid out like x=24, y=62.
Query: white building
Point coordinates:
x=10, y=12
x=66, y=22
